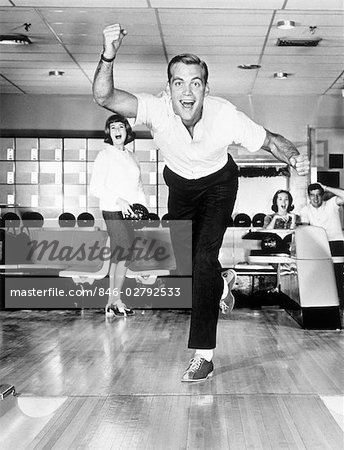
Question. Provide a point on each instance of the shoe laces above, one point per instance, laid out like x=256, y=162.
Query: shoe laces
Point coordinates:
x=120, y=304
x=223, y=306
x=195, y=363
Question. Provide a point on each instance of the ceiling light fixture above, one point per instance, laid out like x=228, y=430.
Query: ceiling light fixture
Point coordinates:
x=249, y=66
x=281, y=75
x=14, y=39
x=56, y=73
x=286, y=24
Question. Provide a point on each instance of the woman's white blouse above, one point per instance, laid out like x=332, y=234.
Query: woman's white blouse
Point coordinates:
x=116, y=174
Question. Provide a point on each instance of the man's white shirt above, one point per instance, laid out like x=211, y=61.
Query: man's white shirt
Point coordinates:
x=221, y=124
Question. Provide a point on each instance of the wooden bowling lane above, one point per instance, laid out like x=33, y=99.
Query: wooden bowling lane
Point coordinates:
x=121, y=381
x=184, y=421
x=69, y=353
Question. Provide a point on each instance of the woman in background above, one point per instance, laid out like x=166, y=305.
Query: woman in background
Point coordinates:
x=116, y=181
x=283, y=218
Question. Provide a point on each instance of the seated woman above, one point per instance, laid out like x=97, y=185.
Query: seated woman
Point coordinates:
x=116, y=181
x=282, y=219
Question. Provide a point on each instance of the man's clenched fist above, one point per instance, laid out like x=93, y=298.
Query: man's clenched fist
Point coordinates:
x=112, y=39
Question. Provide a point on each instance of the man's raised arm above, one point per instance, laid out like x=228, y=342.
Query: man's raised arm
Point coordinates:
x=337, y=192
x=104, y=91
x=286, y=151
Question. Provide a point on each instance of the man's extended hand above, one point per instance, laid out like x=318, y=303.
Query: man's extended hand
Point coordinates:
x=300, y=164
x=112, y=39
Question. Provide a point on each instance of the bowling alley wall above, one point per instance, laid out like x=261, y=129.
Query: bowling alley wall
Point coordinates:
x=48, y=145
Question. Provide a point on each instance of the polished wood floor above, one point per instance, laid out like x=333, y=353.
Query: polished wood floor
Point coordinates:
x=90, y=382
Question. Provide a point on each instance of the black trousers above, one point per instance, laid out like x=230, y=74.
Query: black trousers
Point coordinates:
x=208, y=202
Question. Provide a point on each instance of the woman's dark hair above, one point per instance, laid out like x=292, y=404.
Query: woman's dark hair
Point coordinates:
x=188, y=58
x=314, y=187
x=118, y=118
x=274, y=206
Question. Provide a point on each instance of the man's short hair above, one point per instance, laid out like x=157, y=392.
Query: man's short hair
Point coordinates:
x=314, y=187
x=188, y=58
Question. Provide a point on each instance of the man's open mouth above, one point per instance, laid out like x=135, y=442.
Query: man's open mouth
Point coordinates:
x=188, y=104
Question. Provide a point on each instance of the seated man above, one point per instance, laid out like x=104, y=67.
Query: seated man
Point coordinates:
x=325, y=214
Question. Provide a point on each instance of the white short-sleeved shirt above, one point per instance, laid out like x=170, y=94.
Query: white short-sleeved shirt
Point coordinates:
x=326, y=216
x=116, y=174
x=221, y=124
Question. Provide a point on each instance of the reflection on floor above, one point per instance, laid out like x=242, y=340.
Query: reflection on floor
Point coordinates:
x=336, y=407
x=90, y=382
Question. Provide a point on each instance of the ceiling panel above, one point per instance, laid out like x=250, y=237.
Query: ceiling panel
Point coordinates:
x=35, y=73
x=9, y=89
x=301, y=59
x=328, y=37
x=213, y=50
x=67, y=36
x=225, y=60
x=123, y=58
x=37, y=56
x=315, y=4
x=288, y=87
x=89, y=41
x=57, y=90
x=130, y=66
x=17, y=51
x=309, y=70
x=220, y=30
x=214, y=18
x=308, y=18
x=62, y=65
x=12, y=17
x=128, y=50
x=82, y=3
x=316, y=52
x=96, y=16
x=216, y=41
x=26, y=85
x=222, y=4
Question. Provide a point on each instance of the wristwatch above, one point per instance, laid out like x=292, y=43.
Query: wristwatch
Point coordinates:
x=102, y=57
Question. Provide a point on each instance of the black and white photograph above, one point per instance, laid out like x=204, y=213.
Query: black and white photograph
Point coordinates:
x=171, y=224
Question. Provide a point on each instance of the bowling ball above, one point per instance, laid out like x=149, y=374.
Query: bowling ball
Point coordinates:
x=67, y=220
x=154, y=220
x=11, y=219
x=258, y=220
x=287, y=243
x=272, y=243
x=242, y=220
x=32, y=219
x=140, y=212
x=85, y=219
x=165, y=220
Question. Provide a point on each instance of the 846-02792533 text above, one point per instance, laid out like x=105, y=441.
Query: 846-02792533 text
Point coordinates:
x=147, y=291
